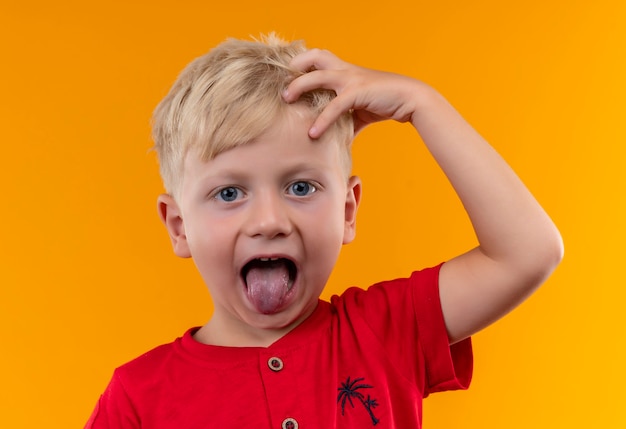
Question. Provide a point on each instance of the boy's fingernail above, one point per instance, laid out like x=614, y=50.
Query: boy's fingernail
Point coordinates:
x=286, y=94
x=313, y=132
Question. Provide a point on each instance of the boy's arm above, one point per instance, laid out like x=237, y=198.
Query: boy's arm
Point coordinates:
x=519, y=246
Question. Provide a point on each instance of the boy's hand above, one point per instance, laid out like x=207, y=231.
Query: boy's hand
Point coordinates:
x=371, y=95
x=519, y=246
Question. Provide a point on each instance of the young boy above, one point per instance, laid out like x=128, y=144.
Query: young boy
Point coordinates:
x=254, y=146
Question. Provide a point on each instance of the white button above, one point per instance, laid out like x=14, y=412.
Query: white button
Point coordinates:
x=275, y=364
x=290, y=423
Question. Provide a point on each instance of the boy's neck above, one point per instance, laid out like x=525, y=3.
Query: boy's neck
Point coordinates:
x=215, y=334
x=223, y=330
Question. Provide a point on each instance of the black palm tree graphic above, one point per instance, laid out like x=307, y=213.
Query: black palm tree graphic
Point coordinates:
x=349, y=389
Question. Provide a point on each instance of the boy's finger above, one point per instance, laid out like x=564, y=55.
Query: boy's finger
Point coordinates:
x=319, y=79
x=334, y=109
x=314, y=59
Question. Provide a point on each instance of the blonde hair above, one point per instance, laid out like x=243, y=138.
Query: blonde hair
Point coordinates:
x=228, y=97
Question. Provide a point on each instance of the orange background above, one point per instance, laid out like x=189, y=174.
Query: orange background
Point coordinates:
x=88, y=280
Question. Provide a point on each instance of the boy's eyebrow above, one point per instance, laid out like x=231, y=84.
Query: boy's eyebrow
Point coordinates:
x=236, y=173
x=303, y=167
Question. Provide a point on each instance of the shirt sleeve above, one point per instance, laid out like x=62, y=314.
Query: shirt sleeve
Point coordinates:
x=406, y=317
x=114, y=409
x=449, y=367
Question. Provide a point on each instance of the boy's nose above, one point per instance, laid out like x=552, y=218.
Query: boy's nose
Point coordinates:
x=268, y=217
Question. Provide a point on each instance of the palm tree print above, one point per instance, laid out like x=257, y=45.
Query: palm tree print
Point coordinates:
x=350, y=390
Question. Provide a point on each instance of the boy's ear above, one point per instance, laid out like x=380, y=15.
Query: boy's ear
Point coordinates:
x=170, y=215
x=353, y=198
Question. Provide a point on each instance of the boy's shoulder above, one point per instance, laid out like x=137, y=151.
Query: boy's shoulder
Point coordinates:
x=152, y=360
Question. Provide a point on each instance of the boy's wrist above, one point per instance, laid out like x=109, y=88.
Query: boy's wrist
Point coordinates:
x=425, y=99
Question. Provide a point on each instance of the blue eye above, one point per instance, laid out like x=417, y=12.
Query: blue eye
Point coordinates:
x=228, y=194
x=302, y=189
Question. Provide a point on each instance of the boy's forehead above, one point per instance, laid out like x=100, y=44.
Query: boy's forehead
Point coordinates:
x=285, y=139
x=289, y=120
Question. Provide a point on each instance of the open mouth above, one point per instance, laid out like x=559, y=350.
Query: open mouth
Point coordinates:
x=283, y=265
x=268, y=282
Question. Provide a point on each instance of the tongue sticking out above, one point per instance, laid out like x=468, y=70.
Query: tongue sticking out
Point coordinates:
x=268, y=284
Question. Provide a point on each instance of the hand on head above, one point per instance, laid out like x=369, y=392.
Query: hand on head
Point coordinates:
x=371, y=95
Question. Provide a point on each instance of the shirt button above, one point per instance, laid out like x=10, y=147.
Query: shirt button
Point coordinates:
x=290, y=423
x=276, y=364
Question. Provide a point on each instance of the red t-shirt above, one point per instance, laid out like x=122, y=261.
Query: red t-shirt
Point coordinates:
x=366, y=358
